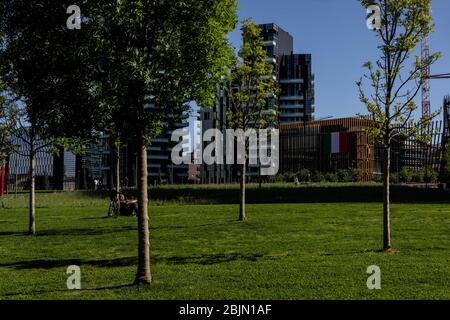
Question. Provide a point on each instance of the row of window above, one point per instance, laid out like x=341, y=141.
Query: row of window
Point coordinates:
x=291, y=89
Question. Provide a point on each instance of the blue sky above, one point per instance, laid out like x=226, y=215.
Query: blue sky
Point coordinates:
x=335, y=33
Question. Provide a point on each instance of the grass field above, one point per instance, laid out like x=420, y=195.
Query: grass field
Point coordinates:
x=283, y=251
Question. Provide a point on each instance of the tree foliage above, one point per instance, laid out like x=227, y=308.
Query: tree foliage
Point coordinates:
x=7, y=125
x=397, y=76
x=253, y=84
x=253, y=94
x=395, y=80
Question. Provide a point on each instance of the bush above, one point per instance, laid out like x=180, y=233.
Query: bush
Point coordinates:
x=342, y=175
x=445, y=176
x=331, y=177
x=406, y=175
x=318, y=177
x=417, y=176
x=430, y=176
x=304, y=175
x=278, y=178
x=348, y=175
x=393, y=177
x=354, y=175
x=289, y=177
x=377, y=178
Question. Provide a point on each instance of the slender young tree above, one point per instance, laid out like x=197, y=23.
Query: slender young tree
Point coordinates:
x=395, y=81
x=27, y=137
x=41, y=70
x=253, y=91
x=160, y=54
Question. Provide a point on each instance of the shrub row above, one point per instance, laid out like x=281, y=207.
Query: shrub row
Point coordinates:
x=304, y=175
x=405, y=175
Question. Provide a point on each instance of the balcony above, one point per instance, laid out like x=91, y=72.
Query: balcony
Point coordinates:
x=290, y=115
x=271, y=60
x=270, y=43
x=157, y=157
x=289, y=81
x=292, y=106
x=296, y=97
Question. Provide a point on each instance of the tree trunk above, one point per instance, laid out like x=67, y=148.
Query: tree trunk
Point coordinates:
x=117, y=166
x=242, y=193
x=143, y=275
x=386, y=199
x=32, y=196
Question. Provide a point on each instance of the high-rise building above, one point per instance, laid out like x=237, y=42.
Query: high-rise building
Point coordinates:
x=296, y=101
x=160, y=167
x=294, y=75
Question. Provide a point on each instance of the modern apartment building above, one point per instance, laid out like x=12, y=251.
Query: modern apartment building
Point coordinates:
x=294, y=75
x=215, y=118
x=160, y=167
x=296, y=101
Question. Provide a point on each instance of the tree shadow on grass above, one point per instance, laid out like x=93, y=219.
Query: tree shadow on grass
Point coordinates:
x=83, y=231
x=204, y=259
x=103, y=231
x=96, y=218
x=12, y=233
x=71, y=232
x=209, y=259
x=50, y=264
x=358, y=252
x=33, y=292
x=191, y=226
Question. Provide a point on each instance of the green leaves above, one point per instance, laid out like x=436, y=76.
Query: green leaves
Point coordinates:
x=397, y=78
x=7, y=125
x=252, y=86
x=162, y=53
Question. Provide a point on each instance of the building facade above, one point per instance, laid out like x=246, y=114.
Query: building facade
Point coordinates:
x=328, y=146
x=161, y=169
x=294, y=75
x=53, y=171
x=296, y=101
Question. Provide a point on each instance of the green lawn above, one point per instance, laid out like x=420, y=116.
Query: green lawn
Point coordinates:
x=283, y=251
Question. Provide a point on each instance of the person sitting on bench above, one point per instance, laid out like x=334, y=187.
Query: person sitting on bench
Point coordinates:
x=128, y=207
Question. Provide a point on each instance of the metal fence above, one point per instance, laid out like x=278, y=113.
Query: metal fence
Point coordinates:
x=337, y=144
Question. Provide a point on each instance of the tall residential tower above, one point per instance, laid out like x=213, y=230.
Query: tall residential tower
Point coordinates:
x=294, y=75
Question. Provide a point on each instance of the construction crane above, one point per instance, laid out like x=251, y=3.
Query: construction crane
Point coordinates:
x=425, y=56
x=426, y=77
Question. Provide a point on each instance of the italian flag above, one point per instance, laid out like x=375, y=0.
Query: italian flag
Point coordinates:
x=335, y=142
